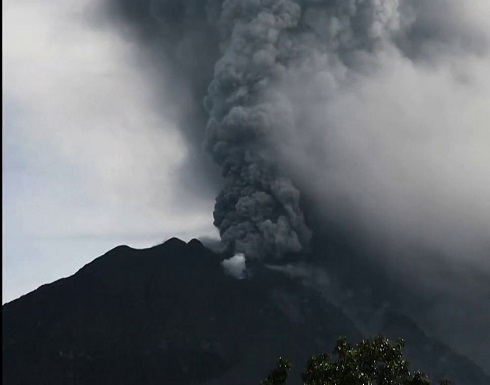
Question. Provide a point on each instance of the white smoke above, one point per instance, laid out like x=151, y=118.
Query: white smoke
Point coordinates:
x=235, y=266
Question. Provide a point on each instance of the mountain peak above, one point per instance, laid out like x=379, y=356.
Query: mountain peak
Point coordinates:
x=169, y=314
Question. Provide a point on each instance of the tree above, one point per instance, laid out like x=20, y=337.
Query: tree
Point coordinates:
x=376, y=361
x=279, y=375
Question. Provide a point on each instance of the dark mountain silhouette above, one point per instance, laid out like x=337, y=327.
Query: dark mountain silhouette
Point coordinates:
x=170, y=315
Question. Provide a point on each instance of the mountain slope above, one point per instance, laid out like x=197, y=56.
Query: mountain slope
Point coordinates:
x=169, y=315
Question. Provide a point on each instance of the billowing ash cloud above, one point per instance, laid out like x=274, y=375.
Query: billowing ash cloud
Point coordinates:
x=329, y=101
x=258, y=211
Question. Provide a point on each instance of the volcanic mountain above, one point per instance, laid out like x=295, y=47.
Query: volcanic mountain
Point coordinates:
x=171, y=314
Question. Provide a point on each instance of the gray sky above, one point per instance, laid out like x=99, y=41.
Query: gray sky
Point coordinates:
x=89, y=161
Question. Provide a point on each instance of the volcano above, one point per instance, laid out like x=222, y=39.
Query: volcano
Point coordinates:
x=171, y=315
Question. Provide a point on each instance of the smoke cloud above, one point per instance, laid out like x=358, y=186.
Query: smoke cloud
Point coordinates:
x=300, y=83
x=258, y=211
x=368, y=116
x=235, y=266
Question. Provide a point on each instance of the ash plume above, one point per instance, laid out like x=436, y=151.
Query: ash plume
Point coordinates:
x=369, y=115
x=273, y=89
x=258, y=211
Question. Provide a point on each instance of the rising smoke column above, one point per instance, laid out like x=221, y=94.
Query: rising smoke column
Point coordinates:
x=258, y=211
x=262, y=42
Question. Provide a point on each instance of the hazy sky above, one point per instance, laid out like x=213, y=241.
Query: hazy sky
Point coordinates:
x=89, y=162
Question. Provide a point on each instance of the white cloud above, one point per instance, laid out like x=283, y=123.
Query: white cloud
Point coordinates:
x=235, y=266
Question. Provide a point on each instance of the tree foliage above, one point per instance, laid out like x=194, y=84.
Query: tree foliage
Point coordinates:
x=376, y=361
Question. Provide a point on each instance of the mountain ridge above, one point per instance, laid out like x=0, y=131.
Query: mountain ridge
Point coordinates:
x=169, y=314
